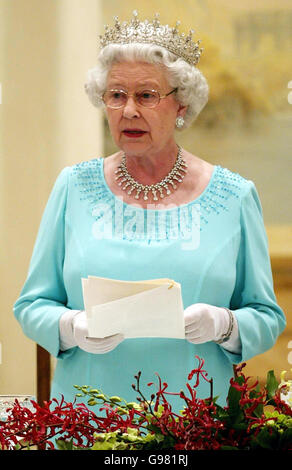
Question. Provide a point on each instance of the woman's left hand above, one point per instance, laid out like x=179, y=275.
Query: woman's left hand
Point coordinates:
x=205, y=322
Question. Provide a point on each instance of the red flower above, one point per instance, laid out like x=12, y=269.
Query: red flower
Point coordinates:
x=199, y=371
x=202, y=425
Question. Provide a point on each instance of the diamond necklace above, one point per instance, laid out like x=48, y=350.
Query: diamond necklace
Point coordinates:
x=176, y=175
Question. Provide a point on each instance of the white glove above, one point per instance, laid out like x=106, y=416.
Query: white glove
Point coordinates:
x=73, y=330
x=205, y=322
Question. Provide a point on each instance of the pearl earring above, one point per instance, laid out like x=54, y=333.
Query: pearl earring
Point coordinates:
x=179, y=122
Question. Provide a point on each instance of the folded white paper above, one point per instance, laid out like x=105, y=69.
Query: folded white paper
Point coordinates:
x=150, y=308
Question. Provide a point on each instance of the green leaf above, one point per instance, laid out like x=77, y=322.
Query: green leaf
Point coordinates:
x=285, y=442
x=272, y=384
x=154, y=428
x=258, y=412
x=235, y=413
x=221, y=413
x=64, y=445
x=267, y=438
x=92, y=402
x=166, y=442
x=115, y=399
x=228, y=448
x=102, y=446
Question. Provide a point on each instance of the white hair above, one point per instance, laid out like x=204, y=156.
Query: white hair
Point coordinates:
x=192, y=86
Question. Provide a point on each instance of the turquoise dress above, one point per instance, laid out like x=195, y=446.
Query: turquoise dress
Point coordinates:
x=215, y=247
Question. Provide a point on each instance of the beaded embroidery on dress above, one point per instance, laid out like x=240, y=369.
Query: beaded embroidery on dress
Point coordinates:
x=132, y=223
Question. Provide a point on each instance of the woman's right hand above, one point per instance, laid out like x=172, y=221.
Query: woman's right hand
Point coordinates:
x=74, y=332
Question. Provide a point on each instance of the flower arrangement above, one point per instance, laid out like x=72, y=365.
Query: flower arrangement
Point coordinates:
x=253, y=418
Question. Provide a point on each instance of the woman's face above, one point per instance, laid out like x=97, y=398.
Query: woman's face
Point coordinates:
x=157, y=124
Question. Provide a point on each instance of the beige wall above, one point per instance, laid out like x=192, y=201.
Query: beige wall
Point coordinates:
x=47, y=123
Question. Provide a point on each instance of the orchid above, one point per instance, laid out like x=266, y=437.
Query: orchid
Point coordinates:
x=253, y=418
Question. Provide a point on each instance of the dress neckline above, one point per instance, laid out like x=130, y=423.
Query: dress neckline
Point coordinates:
x=186, y=205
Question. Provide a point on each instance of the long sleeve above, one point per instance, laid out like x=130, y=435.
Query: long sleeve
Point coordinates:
x=260, y=319
x=43, y=298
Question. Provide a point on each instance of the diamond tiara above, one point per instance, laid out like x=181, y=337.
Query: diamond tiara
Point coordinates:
x=145, y=32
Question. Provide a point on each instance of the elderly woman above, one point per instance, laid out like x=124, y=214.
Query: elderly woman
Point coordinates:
x=151, y=210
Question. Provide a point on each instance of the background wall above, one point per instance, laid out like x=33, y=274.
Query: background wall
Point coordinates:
x=246, y=125
x=46, y=123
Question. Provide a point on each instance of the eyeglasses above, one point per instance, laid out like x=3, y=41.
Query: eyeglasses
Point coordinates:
x=116, y=99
